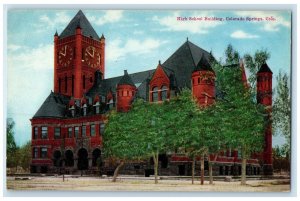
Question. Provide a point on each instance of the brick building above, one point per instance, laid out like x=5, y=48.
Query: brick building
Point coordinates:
x=70, y=123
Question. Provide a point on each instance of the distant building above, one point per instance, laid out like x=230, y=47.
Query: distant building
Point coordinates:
x=70, y=123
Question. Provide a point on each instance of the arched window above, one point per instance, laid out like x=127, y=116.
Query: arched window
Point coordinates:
x=164, y=93
x=155, y=94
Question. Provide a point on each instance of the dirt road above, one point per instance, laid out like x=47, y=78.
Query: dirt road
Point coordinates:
x=132, y=184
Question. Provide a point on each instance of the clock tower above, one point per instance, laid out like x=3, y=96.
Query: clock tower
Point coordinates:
x=78, y=53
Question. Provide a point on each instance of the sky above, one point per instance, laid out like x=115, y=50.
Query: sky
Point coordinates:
x=135, y=40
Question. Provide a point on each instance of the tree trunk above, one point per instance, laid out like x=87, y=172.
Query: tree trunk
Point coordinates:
x=155, y=159
x=244, y=163
x=202, y=169
x=116, y=173
x=211, y=179
x=193, y=170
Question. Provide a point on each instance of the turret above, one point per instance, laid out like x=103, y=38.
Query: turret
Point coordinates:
x=264, y=85
x=125, y=93
x=102, y=53
x=264, y=97
x=203, y=83
x=56, y=87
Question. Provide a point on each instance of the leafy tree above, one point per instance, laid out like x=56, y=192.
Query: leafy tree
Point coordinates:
x=24, y=153
x=253, y=63
x=282, y=108
x=11, y=146
x=231, y=55
x=242, y=119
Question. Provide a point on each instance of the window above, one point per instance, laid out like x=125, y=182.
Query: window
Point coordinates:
x=59, y=85
x=84, y=109
x=93, y=131
x=155, y=94
x=110, y=104
x=239, y=154
x=70, y=132
x=77, y=132
x=57, y=133
x=164, y=93
x=102, y=128
x=83, y=81
x=83, y=131
x=66, y=83
x=73, y=84
x=35, y=152
x=43, y=152
x=44, y=132
x=198, y=80
x=36, y=133
x=97, y=107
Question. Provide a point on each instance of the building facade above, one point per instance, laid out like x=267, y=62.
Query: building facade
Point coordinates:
x=67, y=129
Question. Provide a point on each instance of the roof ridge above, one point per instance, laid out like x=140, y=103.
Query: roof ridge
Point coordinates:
x=79, y=20
x=188, y=43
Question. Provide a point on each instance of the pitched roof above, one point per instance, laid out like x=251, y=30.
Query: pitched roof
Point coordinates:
x=53, y=106
x=126, y=80
x=111, y=83
x=203, y=64
x=183, y=61
x=81, y=21
x=264, y=68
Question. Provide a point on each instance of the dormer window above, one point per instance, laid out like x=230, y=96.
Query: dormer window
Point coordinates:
x=155, y=94
x=84, y=108
x=72, y=109
x=97, y=107
x=110, y=104
x=164, y=93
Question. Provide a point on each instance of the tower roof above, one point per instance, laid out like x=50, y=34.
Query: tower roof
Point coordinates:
x=264, y=69
x=183, y=62
x=126, y=80
x=203, y=65
x=79, y=20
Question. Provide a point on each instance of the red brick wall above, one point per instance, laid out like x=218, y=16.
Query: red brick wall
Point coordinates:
x=203, y=87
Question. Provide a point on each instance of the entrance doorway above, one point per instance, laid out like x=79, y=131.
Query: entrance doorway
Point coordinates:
x=83, y=162
x=69, y=158
x=56, y=159
x=96, y=157
x=181, y=170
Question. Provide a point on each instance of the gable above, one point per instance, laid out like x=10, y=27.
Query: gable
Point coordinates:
x=159, y=77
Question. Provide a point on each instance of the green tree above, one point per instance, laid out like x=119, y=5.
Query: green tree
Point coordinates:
x=282, y=108
x=11, y=146
x=24, y=155
x=242, y=119
x=253, y=63
x=231, y=55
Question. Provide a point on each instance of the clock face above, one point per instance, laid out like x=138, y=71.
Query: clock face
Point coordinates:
x=92, y=57
x=65, y=55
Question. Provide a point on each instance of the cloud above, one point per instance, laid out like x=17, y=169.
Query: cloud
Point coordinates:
x=13, y=47
x=110, y=16
x=271, y=26
x=117, y=49
x=242, y=35
x=29, y=81
x=58, y=21
x=170, y=23
x=138, y=32
x=31, y=58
